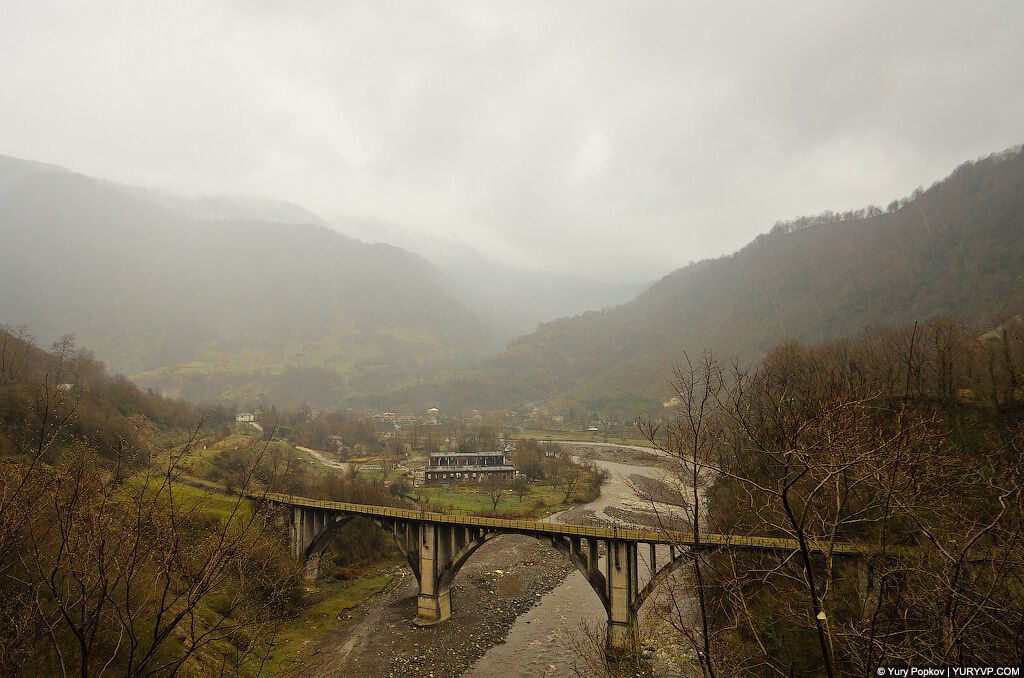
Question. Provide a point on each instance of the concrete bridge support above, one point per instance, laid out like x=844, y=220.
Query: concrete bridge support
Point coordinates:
x=310, y=530
x=621, y=574
x=435, y=552
x=869, y=586
x=443, y=550
x=617, y=585
x=434, y=603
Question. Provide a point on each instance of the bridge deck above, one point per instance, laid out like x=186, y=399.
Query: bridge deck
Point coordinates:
x=565, y=529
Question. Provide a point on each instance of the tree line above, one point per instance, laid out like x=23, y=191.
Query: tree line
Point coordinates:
x=907, y=442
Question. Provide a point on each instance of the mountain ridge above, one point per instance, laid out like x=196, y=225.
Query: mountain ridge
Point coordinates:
x=159, y=293
x=956, y=248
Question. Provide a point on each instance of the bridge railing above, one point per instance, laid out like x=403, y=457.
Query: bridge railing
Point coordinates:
x=565, y=529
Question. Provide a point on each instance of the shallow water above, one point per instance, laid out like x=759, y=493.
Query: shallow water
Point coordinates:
x=539, y=644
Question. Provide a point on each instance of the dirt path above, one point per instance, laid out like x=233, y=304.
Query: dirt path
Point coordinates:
x=319, y=456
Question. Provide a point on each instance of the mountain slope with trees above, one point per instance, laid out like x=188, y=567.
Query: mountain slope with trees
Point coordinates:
x=956, y=248
x=223, y=307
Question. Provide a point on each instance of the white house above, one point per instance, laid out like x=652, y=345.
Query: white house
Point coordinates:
x=245, y=417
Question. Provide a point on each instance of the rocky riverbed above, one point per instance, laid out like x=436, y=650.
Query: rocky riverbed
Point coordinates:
x=619, y=454
x=503, y=580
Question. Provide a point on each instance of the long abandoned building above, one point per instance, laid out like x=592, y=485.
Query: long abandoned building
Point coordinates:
x=467, y=467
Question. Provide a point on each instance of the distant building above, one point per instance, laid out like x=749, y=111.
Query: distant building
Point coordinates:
x=467, y=467
x=247, y=417
x=432, y=415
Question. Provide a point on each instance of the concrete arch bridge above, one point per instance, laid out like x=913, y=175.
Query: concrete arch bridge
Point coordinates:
x=436, y=545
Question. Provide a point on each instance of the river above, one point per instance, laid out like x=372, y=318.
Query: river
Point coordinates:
x=539, y=642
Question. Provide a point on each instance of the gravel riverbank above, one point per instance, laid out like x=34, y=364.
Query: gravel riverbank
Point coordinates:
x=503, y=580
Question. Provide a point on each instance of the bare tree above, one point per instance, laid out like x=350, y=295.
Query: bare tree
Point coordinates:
x=591, y=659
x=568, y=475
x=852, y=442
x=494, y=487
x=120, y=563
x=521, y=486
x=690, y=439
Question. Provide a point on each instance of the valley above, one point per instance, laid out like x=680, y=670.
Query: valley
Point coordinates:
x=514, y=378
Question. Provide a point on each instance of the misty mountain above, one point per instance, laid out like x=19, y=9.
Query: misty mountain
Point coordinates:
x=232, y=208
x=12, y=170
x=200, y=299
x=514, y=299
x=956, y=248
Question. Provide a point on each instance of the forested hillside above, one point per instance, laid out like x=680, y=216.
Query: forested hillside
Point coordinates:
x=53, y=400
x=956, y=248
x=198, y=299
x=111, y=560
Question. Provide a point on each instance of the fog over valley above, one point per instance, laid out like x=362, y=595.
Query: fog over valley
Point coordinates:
x=478, y=339
x=568, y=137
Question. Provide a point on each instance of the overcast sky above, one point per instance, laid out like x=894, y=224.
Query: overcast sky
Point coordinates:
x=629, y=136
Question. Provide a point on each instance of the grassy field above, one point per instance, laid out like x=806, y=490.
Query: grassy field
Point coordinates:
x=387, y=475
x=213, y=503
x=188, y=497
x=330, y=602
x=543, y=500
x=199, y=462
x=586, y=436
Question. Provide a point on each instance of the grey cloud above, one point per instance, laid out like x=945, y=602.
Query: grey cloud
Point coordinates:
x=632, y=137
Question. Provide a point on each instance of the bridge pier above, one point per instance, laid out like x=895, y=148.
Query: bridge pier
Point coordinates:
x=434, y=603
x=869, y=586
x=301, y=531
x=622, y=581
x=305, y=530
x=435, y=553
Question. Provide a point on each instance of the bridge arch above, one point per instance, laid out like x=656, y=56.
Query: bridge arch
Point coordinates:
x=659, y=574
x=460, y=558
x=320, y=542
x=585, y=559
